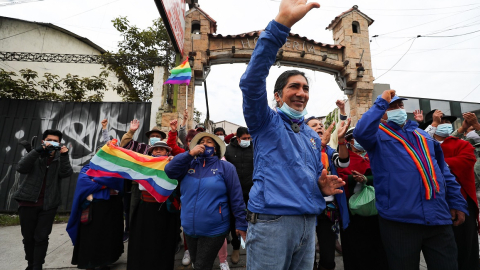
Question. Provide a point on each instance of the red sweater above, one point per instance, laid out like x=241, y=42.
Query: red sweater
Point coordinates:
x=460, y=157
x=172, y=143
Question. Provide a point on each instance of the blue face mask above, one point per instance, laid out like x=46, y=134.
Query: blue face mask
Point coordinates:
x=53, y=143
x=208, y=151
x=358, y=146
x=398, y=116
x=293, y=114
x=154, y=140
x=244, y=144
x=444, y=130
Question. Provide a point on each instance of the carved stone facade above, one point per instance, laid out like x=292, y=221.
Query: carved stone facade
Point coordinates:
x=342, y=59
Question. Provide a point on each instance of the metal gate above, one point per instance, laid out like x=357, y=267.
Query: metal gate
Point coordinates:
x=80, y=123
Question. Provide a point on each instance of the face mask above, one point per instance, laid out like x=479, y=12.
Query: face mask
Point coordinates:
x=208, y=151
x=398, y=116
x=358, y=146
x=221, y=137
x=53, y=143
x=473, y=136
x=294, y=114
x=244, y=144
x=444, y=130
x=159, y=155
x=154, y=140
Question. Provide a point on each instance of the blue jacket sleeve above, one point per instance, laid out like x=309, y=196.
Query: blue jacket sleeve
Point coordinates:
x=253, y=82
x=234, y=191
x=178, y=167
x=453, y=195
x=366, y=130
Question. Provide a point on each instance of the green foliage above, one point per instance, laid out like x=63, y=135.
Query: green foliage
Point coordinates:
x=196, y=115
x=52, y=87
x=150, y=43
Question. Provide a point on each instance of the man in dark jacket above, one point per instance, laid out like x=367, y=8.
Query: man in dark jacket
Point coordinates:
x=240, y=154
x=39, y=194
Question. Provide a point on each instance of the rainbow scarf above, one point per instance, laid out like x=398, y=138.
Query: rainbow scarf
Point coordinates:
x=180, y=74
x=421, y=158
x=148, y=171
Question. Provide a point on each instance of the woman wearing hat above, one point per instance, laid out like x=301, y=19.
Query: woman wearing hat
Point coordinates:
x=361, y=243
x=153, y=231
x=210, y=190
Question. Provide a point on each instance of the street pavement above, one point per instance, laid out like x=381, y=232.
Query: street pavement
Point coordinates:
x=60, y=251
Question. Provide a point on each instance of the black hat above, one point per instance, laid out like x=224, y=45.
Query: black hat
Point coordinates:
x=429, y=119
x=157, y=130
x=159, y=144
x=349, y=134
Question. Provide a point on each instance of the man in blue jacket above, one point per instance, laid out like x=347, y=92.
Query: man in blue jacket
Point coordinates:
x=285, y=197
x=416, y=195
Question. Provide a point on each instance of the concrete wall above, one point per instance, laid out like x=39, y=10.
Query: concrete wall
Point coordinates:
x=228, y=126
x=43, y=39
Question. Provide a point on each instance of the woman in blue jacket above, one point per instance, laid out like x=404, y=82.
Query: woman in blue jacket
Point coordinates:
x=209, y=189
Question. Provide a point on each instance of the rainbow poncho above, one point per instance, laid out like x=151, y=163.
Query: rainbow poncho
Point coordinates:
x=114, y=161
x=180, y=74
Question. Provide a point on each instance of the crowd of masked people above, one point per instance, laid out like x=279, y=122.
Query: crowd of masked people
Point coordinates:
x=295, y=192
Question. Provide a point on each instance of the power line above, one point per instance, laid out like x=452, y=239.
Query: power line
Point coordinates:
x=431, y=71
x=397, y=61
x=470, y=92
x=454, y=35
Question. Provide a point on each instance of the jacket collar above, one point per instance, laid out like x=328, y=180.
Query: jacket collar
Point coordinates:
x=208, y=160
x=288, y=119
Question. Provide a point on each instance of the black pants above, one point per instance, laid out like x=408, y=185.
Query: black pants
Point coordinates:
x=204, y=250
x=326, y=241
x=404, y=241
x=466, y=237
x=127, y=187
x=36, y=225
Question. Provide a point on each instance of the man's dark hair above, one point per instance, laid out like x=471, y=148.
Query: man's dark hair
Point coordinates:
x=53, y=132
x=219, y=129
x=283, y=79
x=242, y=131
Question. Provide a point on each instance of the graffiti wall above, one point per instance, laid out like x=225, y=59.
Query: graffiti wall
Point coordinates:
x=80, y=123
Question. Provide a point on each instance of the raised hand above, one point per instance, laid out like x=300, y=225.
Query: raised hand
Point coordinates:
x=472, y=120
x=342, y=129
x=64, y=149
x=437, y=118
x=330, y=184
x=174, y=125
x=327, y=134
x=291, y=11
x=341, y=106
x=134, y=124
x=418, y=115
x=197, y=150
x=388, y=95
x=104, y=123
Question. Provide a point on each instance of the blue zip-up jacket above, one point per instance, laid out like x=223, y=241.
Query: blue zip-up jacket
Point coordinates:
x=399, y=190
x=287, y=165
x=210, y=189
x=340, y=198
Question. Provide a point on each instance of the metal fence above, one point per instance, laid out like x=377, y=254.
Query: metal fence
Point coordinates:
x=80, y=123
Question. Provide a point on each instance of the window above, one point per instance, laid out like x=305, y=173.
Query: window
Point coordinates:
x=356, y=27
x=195, y=27
x=443, y=106
x=411, y=105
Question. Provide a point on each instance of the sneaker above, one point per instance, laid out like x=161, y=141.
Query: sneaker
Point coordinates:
x=186, y=258
x=125, y=237
x=224, y=266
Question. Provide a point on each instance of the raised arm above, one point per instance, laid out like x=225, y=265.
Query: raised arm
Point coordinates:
x=127, y=138
x=367, y=127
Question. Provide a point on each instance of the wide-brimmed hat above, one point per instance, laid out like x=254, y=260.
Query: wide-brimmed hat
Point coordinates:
x=159, y=144
x=200, y=135
x=157, y=130
x=429, y=119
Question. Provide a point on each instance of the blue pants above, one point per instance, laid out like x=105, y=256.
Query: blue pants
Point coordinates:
x=281, y=243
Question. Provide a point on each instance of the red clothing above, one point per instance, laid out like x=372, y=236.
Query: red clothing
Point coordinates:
x=357, y=163
x=172, y=143
x=228, y=138
x=460, y=157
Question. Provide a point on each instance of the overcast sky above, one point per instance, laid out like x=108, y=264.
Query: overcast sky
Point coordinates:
x=440, y=67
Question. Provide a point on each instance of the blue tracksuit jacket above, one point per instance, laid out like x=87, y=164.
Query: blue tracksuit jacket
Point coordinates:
x=287, y=165
x=210, y=191
x=399, y=191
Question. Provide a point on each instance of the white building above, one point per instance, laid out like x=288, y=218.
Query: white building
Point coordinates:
x=25, y=36
x=228, y=126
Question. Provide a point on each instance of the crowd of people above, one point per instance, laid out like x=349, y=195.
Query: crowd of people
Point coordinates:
x=385, y=191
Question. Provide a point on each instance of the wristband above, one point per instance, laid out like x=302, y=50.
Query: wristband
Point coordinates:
x=344, y=143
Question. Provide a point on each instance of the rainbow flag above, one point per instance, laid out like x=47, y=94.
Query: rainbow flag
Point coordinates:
x=114, y=161
x=180, y=74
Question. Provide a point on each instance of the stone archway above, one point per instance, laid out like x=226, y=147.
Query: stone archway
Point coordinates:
x=348, y=60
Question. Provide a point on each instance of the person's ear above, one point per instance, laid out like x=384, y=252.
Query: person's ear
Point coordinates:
x=278, y=99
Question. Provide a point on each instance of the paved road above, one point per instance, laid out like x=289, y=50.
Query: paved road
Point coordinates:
x=60, y=252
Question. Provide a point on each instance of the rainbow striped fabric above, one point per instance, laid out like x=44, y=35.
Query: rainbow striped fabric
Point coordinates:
x=114, y=161
x=421, y=158
x=180, y=74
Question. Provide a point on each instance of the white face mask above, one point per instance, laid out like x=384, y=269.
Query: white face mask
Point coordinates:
x=221, y=137
x=244, y=144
